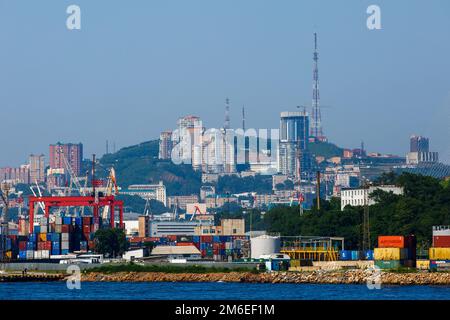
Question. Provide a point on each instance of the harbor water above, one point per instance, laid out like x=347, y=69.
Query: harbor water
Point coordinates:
x=211, y=291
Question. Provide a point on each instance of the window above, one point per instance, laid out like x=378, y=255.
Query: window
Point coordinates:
x=234, y=231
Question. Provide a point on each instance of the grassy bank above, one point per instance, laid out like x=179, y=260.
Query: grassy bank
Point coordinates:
x=131, y=267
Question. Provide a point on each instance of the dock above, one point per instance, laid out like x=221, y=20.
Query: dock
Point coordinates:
x=30, y=277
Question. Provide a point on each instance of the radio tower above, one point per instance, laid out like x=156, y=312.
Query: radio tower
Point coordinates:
x=227, y=114
x=316, y=124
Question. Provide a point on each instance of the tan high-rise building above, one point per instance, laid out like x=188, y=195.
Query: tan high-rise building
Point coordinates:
x=37, y=168
x=165, y=145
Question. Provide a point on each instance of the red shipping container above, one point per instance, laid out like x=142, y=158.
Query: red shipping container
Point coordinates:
x=65, y=228
x=184, y=244
x=172, y=238
x=391, y=242
x=22, y=245
x=206, y=238
x=441, y=241
x=86, y=220
x=203, y=253
x=47, y=245
x=86, y=228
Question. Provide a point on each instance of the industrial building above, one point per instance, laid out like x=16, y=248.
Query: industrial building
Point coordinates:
x=360, y=196
x=147, y=191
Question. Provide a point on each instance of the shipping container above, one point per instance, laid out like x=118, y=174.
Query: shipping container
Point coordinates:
x=30, y=254
x=42, y=237
x=388, y=264
x=22, y=255
x=440, y=264
x=67, y=220
x=64, y=237
x=423, y=264
x=368, y=254
x=354, y=255
x=58, y=220
x=22, y=245
x=441, y=241
x=206, y=238
x=391, y=242
x=78, y=221
x=390, y=254
x=439, y=253
x=36, y=229
x=64, y=251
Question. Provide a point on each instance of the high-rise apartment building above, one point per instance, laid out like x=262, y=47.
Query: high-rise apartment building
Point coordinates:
x=165, y=145
x=419, y=148
x=37, y=168
x=419, y=144
x=72, y=152
x=293, y=147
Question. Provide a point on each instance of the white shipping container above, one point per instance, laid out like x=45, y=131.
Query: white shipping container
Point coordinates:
x=30, y=254
x=64, y=237
x=45, y=254
x=57, y=228
x=44, y=229
x=65, y=245
x=58, y=220
x=37, y=254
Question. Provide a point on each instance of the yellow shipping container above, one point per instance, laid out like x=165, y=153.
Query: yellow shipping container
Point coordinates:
x=389, y=254
x=42, y=237
x=8, y=254
x=439, y=253
x=423, y=264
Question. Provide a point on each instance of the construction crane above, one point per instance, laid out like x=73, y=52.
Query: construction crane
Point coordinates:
x=5, y=187
x=110, y=186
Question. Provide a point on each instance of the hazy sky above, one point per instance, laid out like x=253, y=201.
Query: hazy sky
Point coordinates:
x=136, y=66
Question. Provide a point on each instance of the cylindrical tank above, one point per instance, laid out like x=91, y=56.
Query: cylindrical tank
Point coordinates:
x=264, y=245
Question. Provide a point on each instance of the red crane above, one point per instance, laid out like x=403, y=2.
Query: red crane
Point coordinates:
x=79, y=201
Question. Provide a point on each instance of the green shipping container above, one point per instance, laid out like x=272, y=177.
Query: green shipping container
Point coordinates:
x=388, y=264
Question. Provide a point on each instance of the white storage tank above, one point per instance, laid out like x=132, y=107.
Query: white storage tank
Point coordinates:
x=264, y=245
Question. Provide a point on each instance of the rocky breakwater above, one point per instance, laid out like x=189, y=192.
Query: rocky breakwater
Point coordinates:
x=329, y=277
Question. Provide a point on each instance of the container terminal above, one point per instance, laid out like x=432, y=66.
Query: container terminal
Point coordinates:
x=61, y=230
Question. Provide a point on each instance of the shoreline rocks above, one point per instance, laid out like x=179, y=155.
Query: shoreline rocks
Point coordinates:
x=315, y=277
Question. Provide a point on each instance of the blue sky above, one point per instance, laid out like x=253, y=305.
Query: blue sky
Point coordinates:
x=136, y=66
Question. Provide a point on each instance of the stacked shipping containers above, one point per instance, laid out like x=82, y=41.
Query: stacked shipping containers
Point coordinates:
x=395, y=251
x=211, y=247
x=439, y=254
x=58, y=237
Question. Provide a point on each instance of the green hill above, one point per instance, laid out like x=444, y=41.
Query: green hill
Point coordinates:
x=325, y=149
x=140, y=164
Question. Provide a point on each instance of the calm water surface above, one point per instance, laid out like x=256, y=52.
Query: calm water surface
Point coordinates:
x=209, y=290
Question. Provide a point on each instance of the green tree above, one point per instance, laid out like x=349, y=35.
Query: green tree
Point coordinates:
x=110, y=242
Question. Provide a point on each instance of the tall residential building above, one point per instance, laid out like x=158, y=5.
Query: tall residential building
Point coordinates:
x=188, y=139
x=37, y=168
x=15, y=175
x=294, y=136
x=72, y=152
x=420, y=151
x=419, y=144
x=165, y=145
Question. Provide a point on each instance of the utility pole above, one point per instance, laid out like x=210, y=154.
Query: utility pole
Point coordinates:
x=318, y=190
x=366, y=219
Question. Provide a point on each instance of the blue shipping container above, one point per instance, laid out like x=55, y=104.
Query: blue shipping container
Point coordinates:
x=22, y=255
x=216, y=239
x=78, y=221
x=65, y=251
x=31, y=245
x=355, y=255
x=67, y=220
x=345, y=255
x=37, y=229
x=196, y=239
x=56, y=252
x=369, y=255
